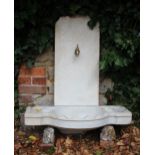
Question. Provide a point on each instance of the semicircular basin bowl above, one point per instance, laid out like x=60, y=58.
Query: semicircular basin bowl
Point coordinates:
x=77, y=119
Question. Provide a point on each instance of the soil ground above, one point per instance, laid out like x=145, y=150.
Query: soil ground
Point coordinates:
x=28, y=142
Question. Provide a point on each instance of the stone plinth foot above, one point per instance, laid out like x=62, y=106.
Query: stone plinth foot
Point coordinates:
x=48, y=136
x=108, y=133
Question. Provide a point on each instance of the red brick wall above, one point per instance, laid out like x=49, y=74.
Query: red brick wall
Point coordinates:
x=31, y=81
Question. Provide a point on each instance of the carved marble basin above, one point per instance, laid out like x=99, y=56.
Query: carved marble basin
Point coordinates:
x=75, y=119
x=76, y=82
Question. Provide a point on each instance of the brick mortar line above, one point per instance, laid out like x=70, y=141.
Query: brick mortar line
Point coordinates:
x=24, y=94
x=26, y=85
x=32, y=94
x=31, y=80
x=33, y=85
x=39, y=77
x=26, y=76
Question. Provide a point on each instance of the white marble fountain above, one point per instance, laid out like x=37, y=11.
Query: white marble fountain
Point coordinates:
x=76, y=92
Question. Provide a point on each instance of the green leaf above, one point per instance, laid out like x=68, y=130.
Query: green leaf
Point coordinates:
x=102, y=65
x=74, y=8
x=118, y=62
x=29, y=63
x=118, y=39
x=51, y=150
x=99, y=153
x=91, y=24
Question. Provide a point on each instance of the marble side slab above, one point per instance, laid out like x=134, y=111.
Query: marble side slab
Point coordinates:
x=76, y=77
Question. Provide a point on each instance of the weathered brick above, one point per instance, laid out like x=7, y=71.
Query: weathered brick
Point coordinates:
x=38, y=71
x=35, y=71
x=39, y=81
x=24, y=71
x=24, y=80
x=25, y=98
x=32, y=89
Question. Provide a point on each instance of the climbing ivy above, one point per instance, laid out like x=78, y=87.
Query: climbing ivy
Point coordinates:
x=119, y=42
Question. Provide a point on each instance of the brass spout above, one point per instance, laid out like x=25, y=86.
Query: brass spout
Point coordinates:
x=77, y=51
